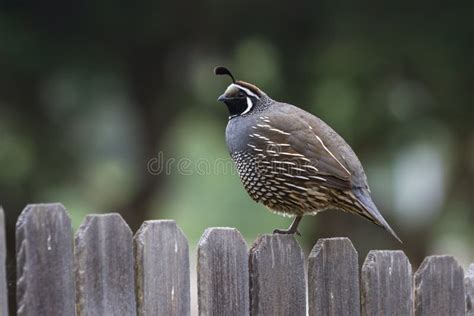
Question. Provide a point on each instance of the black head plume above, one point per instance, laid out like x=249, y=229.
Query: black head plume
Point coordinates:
x=224, y=71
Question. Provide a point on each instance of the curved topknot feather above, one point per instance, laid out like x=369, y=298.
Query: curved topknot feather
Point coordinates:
x=220, y=70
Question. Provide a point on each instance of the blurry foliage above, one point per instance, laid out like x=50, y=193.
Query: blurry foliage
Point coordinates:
x=91, y=91
x=208, y=192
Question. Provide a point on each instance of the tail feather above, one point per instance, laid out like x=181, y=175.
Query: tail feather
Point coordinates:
x=373, y=213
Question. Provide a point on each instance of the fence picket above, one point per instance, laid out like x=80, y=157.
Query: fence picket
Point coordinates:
x=386, y=284
x=333, y=278
x=277, y=277
x=104, y=266
x=110, y=272
x=162, y=269
x=3, y=268
x=439, y=287
x=44, y=247
x=469, y=289
x=223, y=279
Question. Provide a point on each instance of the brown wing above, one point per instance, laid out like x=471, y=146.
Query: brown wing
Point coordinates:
x=292, y=137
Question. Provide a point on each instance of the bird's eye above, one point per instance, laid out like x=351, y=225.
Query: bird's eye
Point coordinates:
x=241, y=94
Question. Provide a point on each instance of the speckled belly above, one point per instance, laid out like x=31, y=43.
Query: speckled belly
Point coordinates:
x=277, y=188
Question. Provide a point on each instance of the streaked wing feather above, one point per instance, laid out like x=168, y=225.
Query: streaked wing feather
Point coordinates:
x=328, y=166
x=297, y=138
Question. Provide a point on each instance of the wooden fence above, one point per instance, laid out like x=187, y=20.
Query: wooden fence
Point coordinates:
x=105, y=270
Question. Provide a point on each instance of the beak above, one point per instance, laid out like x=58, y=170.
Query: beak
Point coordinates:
x=222, y=98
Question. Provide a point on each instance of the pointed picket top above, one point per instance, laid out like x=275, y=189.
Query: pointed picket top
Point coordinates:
x=277, y=277
x=223, y=279
x=104, y=267
x=162, y=269
x=386, y=284
x=439, y=287
x=44, y=247
x=333, y=278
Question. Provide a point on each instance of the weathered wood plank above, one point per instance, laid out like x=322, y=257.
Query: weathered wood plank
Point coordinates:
x=277, y=278
x=223, y=279
x=44, y=247
x=162, y=269
x=3, y=268
x=104, y=266
x=333, y=278
x=469, y=289
x=439, y=287
x=386, y=284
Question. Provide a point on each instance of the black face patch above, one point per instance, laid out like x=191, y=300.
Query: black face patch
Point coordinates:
x=239, y=100
x=236, y=106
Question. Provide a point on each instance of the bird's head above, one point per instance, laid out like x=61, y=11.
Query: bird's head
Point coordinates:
x=241, y=97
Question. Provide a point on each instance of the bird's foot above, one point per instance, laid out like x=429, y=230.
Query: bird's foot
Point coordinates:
x=293, y=228
x=287, y=231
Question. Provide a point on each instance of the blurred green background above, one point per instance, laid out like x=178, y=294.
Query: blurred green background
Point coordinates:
x=91, y=92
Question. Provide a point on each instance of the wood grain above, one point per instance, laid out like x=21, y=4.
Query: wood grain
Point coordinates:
x=44, y=247
x=386, y=284
x=223, y=279
x=333, y=278
x=469, y=290
x=277, y=276
x=162, y=269
x=104, y=266
x=439, y=287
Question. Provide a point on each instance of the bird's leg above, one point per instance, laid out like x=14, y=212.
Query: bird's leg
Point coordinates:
x=293, y=229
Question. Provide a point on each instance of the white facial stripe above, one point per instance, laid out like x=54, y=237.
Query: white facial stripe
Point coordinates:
x=245, y=89
x=249, y=106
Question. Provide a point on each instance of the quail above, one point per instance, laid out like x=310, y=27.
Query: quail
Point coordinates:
x=290, y=160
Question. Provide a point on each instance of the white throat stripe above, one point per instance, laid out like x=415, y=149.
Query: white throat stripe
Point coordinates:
x=249, y=106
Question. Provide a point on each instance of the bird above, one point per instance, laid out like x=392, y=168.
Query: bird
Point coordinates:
x=290, y=160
